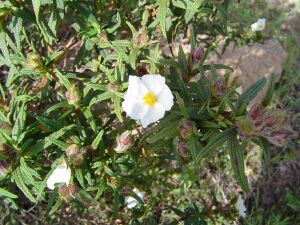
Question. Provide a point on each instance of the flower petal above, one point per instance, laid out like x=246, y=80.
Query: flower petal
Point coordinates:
x=131, y=202
x=134, y=109
x=153, y=114
x=62, y=174
x=154, y=82
x=165, y=98
x=136, y=88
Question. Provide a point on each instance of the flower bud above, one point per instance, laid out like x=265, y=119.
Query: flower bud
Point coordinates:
x=102, y=37
x=4, y=150
x=73, y=96
x=255, y=112
x=185, y=128
x=196, y=55
x=75, y=154
x=246, y=127
x=141, y=38
x=3, y=168
x=114, y=181
x=219, y=88
x=181, y=147
x=6, y=127
x=34, y=60
x=113, y=87
x=67, y=193
x=124, y=142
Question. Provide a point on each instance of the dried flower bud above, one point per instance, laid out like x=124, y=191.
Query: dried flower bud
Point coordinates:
x=34, y=60
x=67, y=192
x=141, y=38
x=76, y=154
x=255, y=112
x=219, y=88
x=73, y=96
x=4, y=150
x=124, y=142
x=246, y=127
x=114, y=181
x=102, y=37
x=196, y=55
x=181, y=147
x=272, y=124
x=3, y=168
x=6, y=127
x=113, y=87
x=185, y=128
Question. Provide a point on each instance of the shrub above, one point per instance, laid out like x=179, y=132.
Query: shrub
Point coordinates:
x=65, y=69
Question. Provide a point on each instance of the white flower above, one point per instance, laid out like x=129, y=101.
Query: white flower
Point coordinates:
x=240, y=206
x=147, y=98
x=239, y=90
x=61, y=174
x=259, y=25
x=131, y=202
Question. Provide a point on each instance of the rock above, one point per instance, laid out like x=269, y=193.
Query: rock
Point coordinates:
x=251, y=63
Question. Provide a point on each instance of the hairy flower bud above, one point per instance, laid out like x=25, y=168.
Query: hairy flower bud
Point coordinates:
x=219, y=88
x=3, y=168
x=185, y=128
x=67, y=192
x=102, y=37
x=181, y=147
x=6, y=126
x=196, y=55
x=34, y=61
x=124, y=142
x=113, y=87
x=141, y=38
x=272, y=124
x=73, y=96
x=75, y=154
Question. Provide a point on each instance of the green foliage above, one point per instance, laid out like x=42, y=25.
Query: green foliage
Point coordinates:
x=66, y=66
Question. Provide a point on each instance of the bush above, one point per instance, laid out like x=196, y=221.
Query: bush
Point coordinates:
x=66, y=68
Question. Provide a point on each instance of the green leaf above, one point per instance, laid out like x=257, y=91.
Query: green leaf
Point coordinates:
x=269, y=94
x=249, y=94
x=100, y=98
x=5, y=193
x=79, y=177
x=117, y=106
x=216, y=142
x=63, y=80
x=162, y=15
x=167, y=132
x=116, y=26
x=56, y=206
x=236, y=154
x=90, y=118
x=133, y=57
x=17, y=176
x=97, y=140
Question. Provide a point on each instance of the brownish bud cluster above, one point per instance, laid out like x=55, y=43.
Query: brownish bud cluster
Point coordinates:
x=67, y=193
x=76, y=154
x=272, y=124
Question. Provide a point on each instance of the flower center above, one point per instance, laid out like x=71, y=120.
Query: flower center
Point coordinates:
x=149, y=99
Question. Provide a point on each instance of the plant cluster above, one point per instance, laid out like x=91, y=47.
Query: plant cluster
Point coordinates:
x=91, y=108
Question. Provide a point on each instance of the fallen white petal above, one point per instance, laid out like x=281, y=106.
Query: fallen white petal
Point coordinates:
x=131, y=202
x=240, y=206
x=61, y=174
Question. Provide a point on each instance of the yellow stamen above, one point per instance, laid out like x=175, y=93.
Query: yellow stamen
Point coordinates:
x=149, y=99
